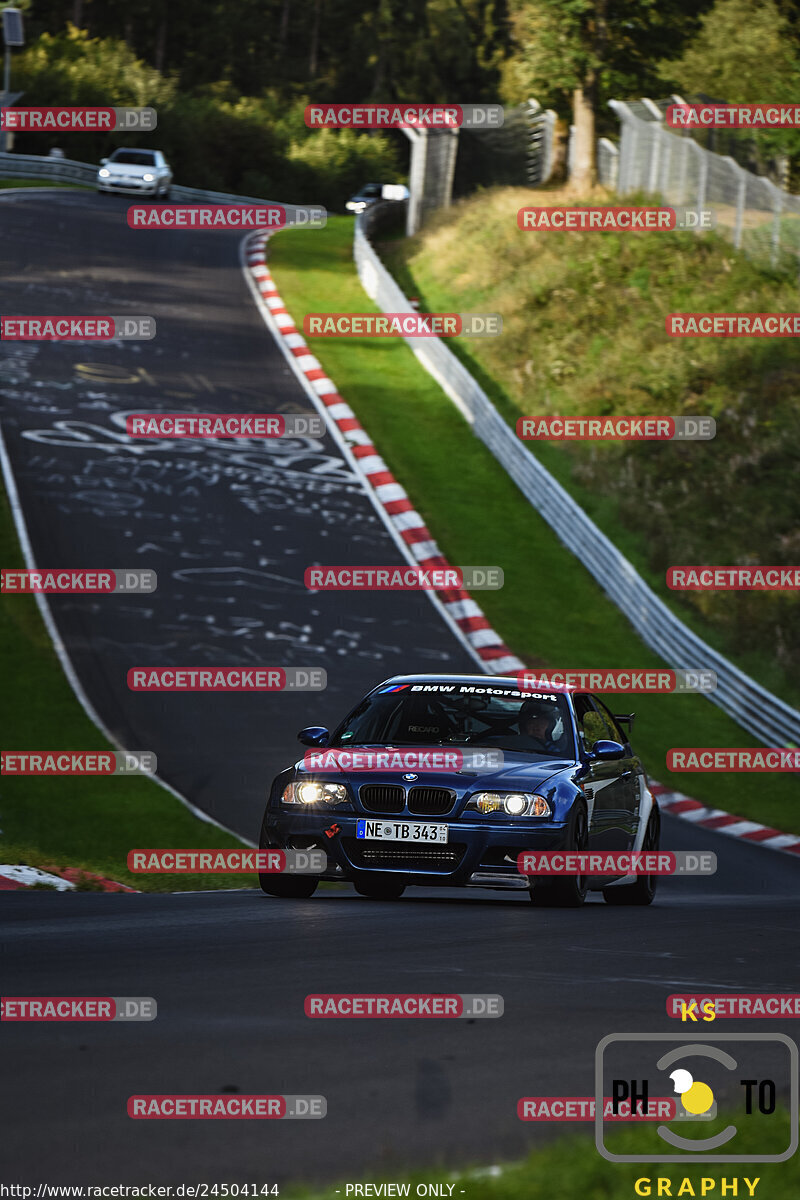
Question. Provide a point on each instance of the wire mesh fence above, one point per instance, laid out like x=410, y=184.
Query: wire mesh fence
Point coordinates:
x=759, y=218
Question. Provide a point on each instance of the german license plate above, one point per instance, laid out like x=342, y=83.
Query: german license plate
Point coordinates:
x=402, y=831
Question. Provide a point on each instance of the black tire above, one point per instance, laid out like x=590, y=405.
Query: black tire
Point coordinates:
x=287, y=887
x=570, y=891
x=643, y=891
x=380, y=889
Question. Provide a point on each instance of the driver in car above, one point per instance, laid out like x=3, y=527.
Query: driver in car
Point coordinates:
x=536, y=722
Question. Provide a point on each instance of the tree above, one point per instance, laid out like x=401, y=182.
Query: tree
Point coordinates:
x=744, y=52
x=583, y=51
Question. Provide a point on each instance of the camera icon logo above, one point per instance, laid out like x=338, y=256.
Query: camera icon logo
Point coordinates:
x=750, y=1070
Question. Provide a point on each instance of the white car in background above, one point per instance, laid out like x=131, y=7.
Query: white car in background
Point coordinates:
x=135, y=173
x=371, y=193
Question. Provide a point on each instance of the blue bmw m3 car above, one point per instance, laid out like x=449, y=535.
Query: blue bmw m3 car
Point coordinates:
x=495, y=771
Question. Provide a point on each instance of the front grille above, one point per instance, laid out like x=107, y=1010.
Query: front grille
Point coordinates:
x=430, y=801
x=382, y=797
x=403, y=857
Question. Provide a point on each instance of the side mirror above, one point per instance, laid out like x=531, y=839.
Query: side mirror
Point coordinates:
x=607, y=751
x=313, y=735
x=103, y=162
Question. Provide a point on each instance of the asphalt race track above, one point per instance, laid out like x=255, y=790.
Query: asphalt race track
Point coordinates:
x=229, y=527
x=230, y=970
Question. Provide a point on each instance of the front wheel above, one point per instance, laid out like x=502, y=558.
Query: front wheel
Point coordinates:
x=569, y=892
x=643, y=891
x=287, y=887
x=380, y=889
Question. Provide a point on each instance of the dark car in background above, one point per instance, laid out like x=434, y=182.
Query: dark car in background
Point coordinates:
x=569, y=780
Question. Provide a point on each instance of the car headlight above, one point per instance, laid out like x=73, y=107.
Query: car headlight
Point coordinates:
x=103, y=173
x=513, y=804
x=148, y=178
x=350, y=206
x=309, y=793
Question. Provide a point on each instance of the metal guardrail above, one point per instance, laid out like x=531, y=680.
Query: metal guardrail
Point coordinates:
x=55, y=170
x=757, y=710
x=67, y=170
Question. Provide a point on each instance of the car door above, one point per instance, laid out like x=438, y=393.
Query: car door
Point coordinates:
x=631, y=772
x=606, y=783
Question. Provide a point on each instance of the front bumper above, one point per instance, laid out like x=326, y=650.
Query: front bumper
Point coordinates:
x=481, y=851
x=128, y=188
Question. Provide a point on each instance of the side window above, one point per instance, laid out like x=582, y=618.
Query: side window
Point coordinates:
x=613, y=730
x=590, y=727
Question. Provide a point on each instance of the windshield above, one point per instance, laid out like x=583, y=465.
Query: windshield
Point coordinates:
x=135, y=158
x=461, y=714
x=371, y=189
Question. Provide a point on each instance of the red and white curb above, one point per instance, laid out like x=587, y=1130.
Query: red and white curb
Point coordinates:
x=679, y=805
x=14, y=877
x=421, y=549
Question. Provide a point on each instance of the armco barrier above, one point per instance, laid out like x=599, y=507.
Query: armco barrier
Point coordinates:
x=759, y=712
x=67, y=170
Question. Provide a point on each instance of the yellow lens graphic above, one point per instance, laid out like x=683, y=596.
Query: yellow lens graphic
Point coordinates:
x=698, y=1098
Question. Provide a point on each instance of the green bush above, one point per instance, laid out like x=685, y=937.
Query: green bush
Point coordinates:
x=214, y=138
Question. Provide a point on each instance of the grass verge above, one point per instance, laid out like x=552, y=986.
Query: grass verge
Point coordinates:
x=571, y=1168
x=583, y=335
x=550, y=611
x=71, y=821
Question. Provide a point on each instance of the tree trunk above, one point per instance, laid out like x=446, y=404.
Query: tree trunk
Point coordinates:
x=283, y=32
x=77, y=13
x=583, y=173
x=314, y=51
x=161, y=45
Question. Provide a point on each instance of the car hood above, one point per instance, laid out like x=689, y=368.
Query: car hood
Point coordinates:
x=131, y=170
x=520, y=772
